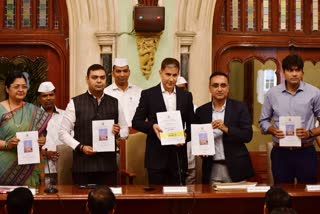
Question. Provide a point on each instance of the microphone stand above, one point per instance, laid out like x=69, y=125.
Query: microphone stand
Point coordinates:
x=179, y=169
x=50, y=188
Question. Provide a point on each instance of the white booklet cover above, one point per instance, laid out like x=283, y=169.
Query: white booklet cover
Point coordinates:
x=28, y=148
x=103, y=139
x=289, y=124
x=175, y=189
x=202, y=139
x=172, y=130
x=234, y=185
x=313, y=187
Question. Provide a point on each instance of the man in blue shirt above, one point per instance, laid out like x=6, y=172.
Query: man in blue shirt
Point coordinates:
x=293, y=97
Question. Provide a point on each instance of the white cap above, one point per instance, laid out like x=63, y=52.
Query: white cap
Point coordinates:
x=120, y=62
x=181, y=80
x=46, y=87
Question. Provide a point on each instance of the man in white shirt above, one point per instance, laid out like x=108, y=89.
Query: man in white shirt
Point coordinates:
x=127, y=94
x=46, y=99
x=89, y=166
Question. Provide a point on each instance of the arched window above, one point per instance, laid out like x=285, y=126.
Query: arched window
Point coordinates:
x=31, y=14
x=248, y=34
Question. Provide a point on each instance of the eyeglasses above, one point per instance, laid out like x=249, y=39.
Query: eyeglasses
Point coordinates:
x=216, y=85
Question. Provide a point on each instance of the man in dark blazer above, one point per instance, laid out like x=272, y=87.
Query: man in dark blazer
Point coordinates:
x=232, y=128
x=166, y=165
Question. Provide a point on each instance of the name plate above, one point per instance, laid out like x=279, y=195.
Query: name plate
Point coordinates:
x=258, y=189
x=315, y=187
x=33, y=190
x=7, y=189
x=116, y=190
x=175, y=189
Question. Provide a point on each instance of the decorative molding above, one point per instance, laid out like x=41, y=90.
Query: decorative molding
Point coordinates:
x=185, y=40
x=107, y=42
x=147, y=44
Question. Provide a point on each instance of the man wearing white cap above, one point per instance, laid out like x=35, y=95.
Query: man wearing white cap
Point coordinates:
x=182, y=83
x=127, y=94
x=46, y=99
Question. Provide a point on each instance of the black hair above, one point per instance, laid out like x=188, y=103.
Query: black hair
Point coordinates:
x=276, y=197
x=218, y=73
x=19, y=201
x=12, y=76
x=95, y=67
x=292, y=60
x=283, y=210
x=170, y=62
x=101, y=200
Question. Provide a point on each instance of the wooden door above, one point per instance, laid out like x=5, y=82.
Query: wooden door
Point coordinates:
x=35, y=41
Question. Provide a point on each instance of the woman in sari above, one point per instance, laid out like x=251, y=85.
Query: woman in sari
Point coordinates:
x=18, y=116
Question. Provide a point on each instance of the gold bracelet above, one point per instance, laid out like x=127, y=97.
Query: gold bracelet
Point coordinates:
x=6, y=145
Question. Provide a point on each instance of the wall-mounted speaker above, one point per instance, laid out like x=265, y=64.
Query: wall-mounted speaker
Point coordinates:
x=148, y=19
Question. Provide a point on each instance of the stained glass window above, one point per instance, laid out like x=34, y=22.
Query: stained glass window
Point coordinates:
x=42, y=13
x=265, y=15
x=251, y=15
x=10, y=14
x=298, y=7
x=315, y=17
x=26, y=13
x=223, y=18
x=283, y=15
x=56, y=17
x=235, y=14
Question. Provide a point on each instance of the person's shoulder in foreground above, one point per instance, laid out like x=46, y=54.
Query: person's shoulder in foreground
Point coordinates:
x=19, y=201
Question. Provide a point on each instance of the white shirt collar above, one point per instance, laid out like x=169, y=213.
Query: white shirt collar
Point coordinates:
x=55, y=111
x=164, y=91
x=223, y=107
x=114, y=87
x=95, y=97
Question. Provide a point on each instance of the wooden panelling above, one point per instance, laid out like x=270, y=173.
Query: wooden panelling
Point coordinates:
x=49, y=43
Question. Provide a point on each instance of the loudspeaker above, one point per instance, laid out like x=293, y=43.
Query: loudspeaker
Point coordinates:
x=148, y=19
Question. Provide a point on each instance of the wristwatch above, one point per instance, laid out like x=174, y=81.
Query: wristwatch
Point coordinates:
x=311, y=133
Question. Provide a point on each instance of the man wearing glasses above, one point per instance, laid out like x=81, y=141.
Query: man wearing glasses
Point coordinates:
x=231, y=126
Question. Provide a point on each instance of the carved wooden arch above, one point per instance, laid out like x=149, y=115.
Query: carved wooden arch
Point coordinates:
x=228, y=44
x=49, y=43
x=244, y=59
x=240, y=44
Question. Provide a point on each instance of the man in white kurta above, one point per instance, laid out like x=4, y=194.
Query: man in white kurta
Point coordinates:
x=127, y=94
x=46, y=99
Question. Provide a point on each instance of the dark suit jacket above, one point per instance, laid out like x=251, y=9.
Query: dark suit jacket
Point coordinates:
x=238, y=120
x=151, y=102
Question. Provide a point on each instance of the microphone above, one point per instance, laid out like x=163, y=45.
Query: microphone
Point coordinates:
x=50, y=188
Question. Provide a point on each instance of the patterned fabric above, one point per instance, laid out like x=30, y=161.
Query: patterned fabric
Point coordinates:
x=25, y=118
